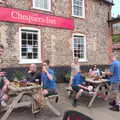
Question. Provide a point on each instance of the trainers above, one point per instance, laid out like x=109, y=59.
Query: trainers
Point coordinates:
x=3, y=104
x=74, y=103
x=115, y=108
x=112, y=103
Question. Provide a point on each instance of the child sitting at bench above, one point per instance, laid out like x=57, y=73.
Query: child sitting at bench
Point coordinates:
x=78, y=85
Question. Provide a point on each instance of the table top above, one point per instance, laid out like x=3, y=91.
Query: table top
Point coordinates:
x=13, y=87
x=90, y=80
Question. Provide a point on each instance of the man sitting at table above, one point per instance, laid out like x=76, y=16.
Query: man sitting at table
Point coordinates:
x=48, y=79
x=3, y=84
x=78, y=85
x=33, y=75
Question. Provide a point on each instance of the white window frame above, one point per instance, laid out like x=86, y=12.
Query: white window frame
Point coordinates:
x=49, y=5
x=83, y=12
x=2, y=1
x=85, y=47
x=28, y=61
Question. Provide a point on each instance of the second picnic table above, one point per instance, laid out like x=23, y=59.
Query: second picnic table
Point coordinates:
x=98, y=83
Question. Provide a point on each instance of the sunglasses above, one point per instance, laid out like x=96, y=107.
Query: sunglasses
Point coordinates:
x=44, y=64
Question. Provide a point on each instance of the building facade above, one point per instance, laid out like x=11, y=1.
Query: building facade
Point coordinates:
x=115, y=22
x=74, y=28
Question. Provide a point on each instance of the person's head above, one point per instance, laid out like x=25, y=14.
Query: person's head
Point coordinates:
x=33, y=68
x=46, y=64
x=76, y=60
x=113, y=57
x=94, y=67
x=1, y=49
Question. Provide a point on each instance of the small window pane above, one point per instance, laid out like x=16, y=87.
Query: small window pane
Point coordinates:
x=35, y=49
x=23, y=35
x=35, y=55
x=24, y=50
x=29, y=42
x=24, y=42
x=35, y=43
x=29, y=55
x=29, y=36
x=35, y=36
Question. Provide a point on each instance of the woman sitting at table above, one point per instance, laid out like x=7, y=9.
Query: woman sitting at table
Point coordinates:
x=78, y=85
x=33, y=75
x=94, y=71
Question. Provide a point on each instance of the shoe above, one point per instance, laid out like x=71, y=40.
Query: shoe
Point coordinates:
x=115, y=108
x=74, y=103
x=3, y=104
x=112, y=103
x=57, y=98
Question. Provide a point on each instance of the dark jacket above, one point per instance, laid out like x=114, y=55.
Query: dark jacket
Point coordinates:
x=31, y=76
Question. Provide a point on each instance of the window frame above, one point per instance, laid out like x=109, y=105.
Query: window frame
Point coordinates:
x=83, y=11
x=38, y=8
x=29, y=61
x=85, y=47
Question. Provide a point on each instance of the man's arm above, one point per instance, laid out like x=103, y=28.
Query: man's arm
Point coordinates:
x=111, y=71
x=83, y=87
x=6, y=83
x=50, y=76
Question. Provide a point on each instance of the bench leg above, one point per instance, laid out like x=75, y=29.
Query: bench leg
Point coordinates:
x=94, y=96
x=54, y=110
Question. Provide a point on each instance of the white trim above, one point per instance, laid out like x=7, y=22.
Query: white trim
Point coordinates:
x=27, y=61
x=38, y=8
x=1, y=1
x=83, y=14
x=85, y=47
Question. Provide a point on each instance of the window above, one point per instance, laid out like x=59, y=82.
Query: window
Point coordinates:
x=79, y=47
x=2, y=1
x=30, y=45
x=109, y=1
x=42, y=4
x=78, y=8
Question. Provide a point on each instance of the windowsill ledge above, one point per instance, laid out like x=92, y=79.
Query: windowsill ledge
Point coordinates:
x=83, y=61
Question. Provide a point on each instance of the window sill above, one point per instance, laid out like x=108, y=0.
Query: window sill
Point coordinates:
x=81, y=17
x=40, y=9
x=30, y=62
x=84, y=61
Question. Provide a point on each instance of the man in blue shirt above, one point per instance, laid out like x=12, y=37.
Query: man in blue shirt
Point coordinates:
x=78, y=85
x=114, y=79
x=48, y=79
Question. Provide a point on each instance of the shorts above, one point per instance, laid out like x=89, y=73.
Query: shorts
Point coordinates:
x=76, y=88
x=115, y=88
x=51, y=92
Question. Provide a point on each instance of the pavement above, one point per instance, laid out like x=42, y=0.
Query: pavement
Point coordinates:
x=99, y=111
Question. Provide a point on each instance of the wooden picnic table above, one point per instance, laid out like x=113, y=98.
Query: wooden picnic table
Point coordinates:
x=98, y=83
x=19, y=93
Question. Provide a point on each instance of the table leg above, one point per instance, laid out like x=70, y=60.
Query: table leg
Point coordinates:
x=12, y=106
x=52, y=107
x=94, y=96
